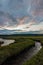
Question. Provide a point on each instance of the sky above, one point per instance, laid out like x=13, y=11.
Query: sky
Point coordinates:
x=21, y=16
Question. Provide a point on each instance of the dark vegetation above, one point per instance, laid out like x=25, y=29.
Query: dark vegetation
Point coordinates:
x=36, y=60
x=1, y=42
x=15, y=48
x=21, y=43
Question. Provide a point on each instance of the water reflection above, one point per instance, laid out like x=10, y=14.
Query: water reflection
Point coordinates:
x=24, y=56
x=38, y=45
x=6, y=41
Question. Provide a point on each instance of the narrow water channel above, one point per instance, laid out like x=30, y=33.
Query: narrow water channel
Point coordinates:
x=6, y=42
x=19, y=60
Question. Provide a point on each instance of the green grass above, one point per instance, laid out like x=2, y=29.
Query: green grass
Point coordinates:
x=15, y=48
x=36, y=60
x=21, y=43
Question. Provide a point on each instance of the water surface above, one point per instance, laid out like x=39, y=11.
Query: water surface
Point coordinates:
x=6, y=41
x=21, y=58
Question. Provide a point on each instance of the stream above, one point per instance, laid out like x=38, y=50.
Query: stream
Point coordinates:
x=23, y=57
x=6, y=42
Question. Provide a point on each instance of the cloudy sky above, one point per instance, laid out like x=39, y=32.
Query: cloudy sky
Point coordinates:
x=21, y=16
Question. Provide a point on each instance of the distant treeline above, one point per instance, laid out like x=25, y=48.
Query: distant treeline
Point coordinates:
x=22, y=35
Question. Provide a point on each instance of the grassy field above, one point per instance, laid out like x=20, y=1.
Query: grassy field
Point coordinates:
x=40, y=37
x=15, y=48
x=22, y=42
x=36, y=60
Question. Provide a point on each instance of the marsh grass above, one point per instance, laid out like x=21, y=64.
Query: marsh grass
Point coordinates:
x=36, y=60
x=15, y=48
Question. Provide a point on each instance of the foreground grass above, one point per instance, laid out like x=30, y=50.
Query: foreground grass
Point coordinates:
x=21, y=43
x=36, y=60
x=15, y=48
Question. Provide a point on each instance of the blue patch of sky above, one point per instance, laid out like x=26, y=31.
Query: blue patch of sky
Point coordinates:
x=18, y=8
